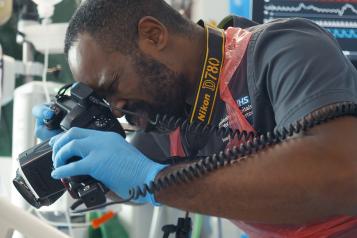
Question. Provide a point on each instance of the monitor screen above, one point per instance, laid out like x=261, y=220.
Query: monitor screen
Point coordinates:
x=338, y=16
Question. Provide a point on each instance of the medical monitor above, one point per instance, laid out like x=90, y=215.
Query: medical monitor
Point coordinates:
x=338, y=16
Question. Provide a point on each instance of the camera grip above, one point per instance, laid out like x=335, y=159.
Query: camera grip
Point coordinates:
x=80, y=178
x=55, y=121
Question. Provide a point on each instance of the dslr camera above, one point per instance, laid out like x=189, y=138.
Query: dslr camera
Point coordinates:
x=84, y=109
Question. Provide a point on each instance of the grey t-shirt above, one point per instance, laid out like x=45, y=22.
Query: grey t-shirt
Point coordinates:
x=292, y=67
x=295, y=67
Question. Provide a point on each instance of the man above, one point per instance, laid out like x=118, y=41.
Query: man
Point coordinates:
x=144, y=57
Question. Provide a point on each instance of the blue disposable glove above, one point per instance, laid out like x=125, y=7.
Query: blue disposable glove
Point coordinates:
x=107, y=157
x=43, y=112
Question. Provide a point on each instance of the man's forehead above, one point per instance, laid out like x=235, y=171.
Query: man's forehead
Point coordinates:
x=88, y=62
x=74, y=58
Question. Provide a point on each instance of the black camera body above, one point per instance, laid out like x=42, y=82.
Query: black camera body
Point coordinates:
x=34, y=182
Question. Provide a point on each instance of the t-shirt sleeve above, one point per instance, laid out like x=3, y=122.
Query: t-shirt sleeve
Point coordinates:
x=300, y=67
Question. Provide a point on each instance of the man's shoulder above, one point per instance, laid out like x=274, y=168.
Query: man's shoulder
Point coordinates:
x=283, y=33
x=285, y=24
x=236, y=21
x=282, y=24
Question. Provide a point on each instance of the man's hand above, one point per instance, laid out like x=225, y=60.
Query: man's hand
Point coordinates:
x=41, y=113
x=105, y=156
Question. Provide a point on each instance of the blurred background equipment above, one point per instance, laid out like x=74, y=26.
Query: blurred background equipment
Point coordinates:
x=12, y=68
x=5, y=10
x=13, y=218
x=213, y=11
x=241, y=8
x=337, y=17
x=46, y=8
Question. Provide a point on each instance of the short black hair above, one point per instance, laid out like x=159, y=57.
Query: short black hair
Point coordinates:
x=113, y=23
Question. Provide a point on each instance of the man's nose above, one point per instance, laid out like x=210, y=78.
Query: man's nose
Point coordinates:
x=116, y=106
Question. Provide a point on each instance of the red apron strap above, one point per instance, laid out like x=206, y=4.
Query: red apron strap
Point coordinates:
x=236, y=46
x=176, y=148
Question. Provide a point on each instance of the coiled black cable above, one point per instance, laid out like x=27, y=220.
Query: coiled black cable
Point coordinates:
x=254, y=144
x=171, y=123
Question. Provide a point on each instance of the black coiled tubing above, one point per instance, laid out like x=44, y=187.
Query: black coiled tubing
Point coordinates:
x=252, y=143
x=171, y=123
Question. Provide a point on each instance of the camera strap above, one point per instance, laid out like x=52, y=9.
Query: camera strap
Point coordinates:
x=208, y=85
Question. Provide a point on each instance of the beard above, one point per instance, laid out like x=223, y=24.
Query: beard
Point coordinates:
x=167, y=89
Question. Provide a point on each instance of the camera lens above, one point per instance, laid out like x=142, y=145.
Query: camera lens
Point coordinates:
x=25, y=191
x=27, y=194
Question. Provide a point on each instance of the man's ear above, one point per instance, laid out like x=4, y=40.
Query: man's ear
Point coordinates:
x=152, y=35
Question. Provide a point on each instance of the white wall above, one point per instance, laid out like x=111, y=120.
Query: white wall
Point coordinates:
x=210, y=10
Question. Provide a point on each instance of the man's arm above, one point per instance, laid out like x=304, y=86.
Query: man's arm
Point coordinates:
x=304, y=179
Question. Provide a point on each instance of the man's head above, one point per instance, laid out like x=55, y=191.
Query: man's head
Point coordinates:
x=126, y=50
